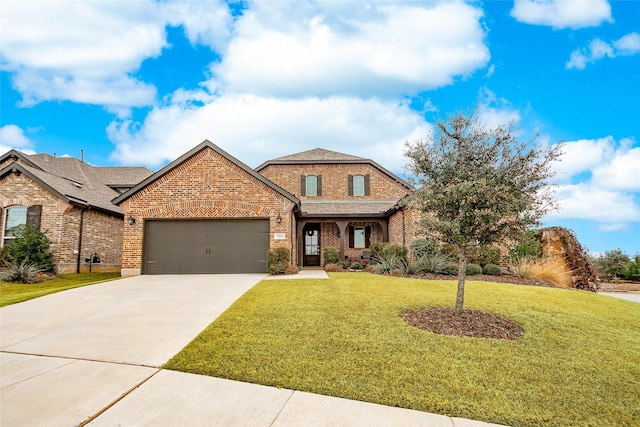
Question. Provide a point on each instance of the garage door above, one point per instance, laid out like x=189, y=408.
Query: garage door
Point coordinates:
x=206, y=246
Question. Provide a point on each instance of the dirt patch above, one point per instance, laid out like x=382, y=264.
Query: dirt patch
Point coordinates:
x=468, y=323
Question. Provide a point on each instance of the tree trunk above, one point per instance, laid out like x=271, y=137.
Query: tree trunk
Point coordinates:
x=462, y=274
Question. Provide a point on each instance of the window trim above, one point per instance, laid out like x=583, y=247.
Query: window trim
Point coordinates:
x=358, y=185
x=313, y=180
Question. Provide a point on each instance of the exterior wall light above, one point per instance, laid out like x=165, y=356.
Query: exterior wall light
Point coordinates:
x=131, y=220
x=278, y=219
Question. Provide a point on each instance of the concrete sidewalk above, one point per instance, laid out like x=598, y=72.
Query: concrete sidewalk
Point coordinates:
x=92, y=355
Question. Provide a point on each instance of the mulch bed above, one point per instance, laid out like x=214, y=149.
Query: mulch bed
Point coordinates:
x=468, y=323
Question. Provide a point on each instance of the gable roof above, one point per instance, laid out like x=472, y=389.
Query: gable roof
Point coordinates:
x=204, y=144
x=322, y=156
x=74, y=181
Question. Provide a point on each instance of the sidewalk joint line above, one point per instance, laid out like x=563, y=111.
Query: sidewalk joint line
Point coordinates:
x=282, y=409
x=125, y=394
x=80, y=359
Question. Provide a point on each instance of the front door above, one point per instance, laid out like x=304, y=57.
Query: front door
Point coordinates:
x=311, y=245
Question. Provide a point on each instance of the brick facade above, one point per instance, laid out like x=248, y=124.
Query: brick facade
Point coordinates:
x=102, y=233
x=205, y=185
x=335, y=180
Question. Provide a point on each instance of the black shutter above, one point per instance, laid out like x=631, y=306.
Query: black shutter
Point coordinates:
x=303, y=185
x=351, y=239
x=366, y=187
x=367, y=236
x=319, y=186
x=33, y=216
x=350, y=187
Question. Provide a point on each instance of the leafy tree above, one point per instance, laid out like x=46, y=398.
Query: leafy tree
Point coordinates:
x=31, y=246
x=633, y=271
x=479, y=185
x=612, y=263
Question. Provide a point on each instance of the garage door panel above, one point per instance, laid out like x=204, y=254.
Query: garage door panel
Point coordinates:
x=206, y=246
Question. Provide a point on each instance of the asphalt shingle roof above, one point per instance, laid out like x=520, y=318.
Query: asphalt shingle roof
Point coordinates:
x=81, y=182
x=346, y=207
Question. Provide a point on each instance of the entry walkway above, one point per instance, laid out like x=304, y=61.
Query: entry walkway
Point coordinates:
x=92, y=356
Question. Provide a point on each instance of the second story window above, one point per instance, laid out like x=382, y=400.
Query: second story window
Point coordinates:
x=358, y=185
x=311, y=185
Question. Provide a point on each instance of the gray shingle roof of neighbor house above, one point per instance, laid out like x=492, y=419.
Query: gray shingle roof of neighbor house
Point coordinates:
x=322, y=156
x=347, y=208
x=73, y=180
x=206, y=143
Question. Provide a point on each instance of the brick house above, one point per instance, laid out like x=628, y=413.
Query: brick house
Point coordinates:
x=207, y=212
x=346, y=202
x=71, y=202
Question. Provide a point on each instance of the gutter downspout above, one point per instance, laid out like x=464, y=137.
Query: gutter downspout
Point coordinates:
x=80, y=237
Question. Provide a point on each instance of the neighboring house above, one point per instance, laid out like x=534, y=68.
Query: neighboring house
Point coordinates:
x=71, y=202
x=207, y=212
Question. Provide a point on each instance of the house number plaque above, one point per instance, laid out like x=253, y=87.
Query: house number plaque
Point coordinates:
x=278, y=236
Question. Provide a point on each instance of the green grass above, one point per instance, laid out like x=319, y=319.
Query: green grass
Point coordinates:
x=11, y=293
x=577, y=364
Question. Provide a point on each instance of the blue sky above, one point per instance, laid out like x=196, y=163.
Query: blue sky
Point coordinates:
x=141, y=82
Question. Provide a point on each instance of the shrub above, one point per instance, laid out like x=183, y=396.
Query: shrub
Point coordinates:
x=4, y=256
x=356, y=266
x=492, y=270
x=291, y=269
x=22, y=272
x=31, y=246
x=331, y=255
x=431, y=263
x=380, y=250
x=528, y=247
x=449, y=268
x=343, y=264
x=473, y=269
x=333, y=267
x=387, y=262
x=424, y=246
x=278, y=260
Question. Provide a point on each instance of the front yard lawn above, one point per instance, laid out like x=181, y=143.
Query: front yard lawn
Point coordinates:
x=577, y=363
x=11, y=293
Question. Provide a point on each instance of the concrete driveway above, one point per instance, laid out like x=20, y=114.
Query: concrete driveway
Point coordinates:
x=52, y=369
x=92, y=356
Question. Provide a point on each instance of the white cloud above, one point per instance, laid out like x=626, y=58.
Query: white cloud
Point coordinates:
x=621, y=173
x=13, y=137
x=585, y=201
x=583, y=156
x=628, y=45
x=86, y=52
x=321, y=49
x=255, y=129
x=562, y=13
x=598, y=49
x=493, y=111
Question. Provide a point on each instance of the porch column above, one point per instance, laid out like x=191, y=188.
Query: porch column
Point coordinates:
x=384, y=224
x=342, y=227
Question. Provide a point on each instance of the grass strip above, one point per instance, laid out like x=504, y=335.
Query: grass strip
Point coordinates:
x=12, y=293
x=577, y=364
